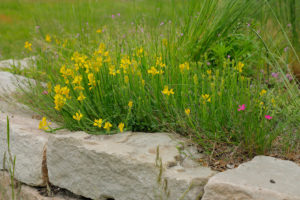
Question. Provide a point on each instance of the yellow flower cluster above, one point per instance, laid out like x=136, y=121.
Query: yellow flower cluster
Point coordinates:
x=27, y=46
x=130, y=104
x=48, y=38
x=154, y=71
x=187, y=111
x=125, y=63
x=44, y=125
x=78, y=116
x=263, y=92
x=240, y=67
x=81, y=97
x=121, y=127
x=166, y=91
x=184, y=66
x=66, y=73
x=98, y=123
x=159, y=62
x=113, y=71
x=92, y=82
x=61, y=95
x=107, y=126
x=206, y=98
x=140, y=52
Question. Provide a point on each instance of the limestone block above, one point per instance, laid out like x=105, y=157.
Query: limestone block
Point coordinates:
x=263, y=178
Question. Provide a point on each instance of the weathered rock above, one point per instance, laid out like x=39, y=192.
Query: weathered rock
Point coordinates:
x=20, y=64
x=10, y=82
x=122, y=166
x=28, y=144
x=23, y=192
x=263, y=178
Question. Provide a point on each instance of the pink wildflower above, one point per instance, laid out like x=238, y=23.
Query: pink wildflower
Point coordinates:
x=242, y=107
x=275, y=75
x=268, y=117
x=290, y=77
x=45, y=92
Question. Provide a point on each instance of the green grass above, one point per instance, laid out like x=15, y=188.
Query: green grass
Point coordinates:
x=213, y=37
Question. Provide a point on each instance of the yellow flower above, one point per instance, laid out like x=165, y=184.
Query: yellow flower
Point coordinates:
x=77, y=116
x=125, y=63
x=81, y=97
x=153, y=71
x=240, y=66
x=106, y=53
x=59, y=101
x=121, y=127
x=101, y=49
x=206, y=98
x=78, y=87
x=159, y=62
x=65, y=73
x=262, y=92
x=77, y=80
x=44, y=125
x=184, y=66
x=108, y=58
x=167, y=91
x=107, y=126
x=187, y=111
x=28, y=46
x=208, y=72
x=98, y=122
x=48, y=38
x=130, y=104
x=140, y=52
x=62, y=90
x=99, y=31
x=113, y=71
x=92, y=81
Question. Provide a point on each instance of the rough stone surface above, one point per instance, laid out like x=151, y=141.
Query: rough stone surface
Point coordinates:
x=27, y=143
x=20, y=64
x=10, y=82
x=122, y=166
x=24, y=192
x=263, y=178
x=8, y=85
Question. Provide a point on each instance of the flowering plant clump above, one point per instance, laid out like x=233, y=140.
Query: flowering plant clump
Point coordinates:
x=107, y=92
x=210, y=80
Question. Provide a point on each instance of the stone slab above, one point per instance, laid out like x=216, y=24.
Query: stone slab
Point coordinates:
x=122, y=166
x=10, y=82
x=28, y=144
x=263, y=178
